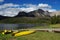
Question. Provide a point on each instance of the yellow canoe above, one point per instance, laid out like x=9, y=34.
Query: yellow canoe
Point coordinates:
x=24, y=33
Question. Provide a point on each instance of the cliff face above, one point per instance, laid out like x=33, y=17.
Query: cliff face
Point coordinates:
x=24, y=14
x=35, y=13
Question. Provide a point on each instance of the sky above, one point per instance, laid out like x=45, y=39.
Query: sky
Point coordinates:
x=12, y=7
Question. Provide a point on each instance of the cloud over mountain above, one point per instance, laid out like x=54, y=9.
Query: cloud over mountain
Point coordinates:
x=11, y=9
x=44, y=5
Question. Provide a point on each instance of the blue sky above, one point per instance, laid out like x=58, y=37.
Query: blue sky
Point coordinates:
x=54, y=3
x=12, y=7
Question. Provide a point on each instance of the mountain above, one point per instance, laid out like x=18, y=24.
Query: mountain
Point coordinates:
x=36, y=16
x=55, y=13
x=4, y=17
x=35, y=13
x=24, y=14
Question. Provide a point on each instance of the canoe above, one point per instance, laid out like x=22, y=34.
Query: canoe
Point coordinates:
x=24, y=33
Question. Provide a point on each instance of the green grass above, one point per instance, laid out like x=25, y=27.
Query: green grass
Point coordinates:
x=35, y=36
x=37, y=27
x=43, y=36
x=55, y=25
x=48, y=26
x=31, y=20
x=21, y=20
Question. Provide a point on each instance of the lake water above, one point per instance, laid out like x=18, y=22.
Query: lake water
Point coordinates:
x=17, y=26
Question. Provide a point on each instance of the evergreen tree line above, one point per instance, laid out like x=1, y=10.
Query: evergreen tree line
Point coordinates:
x=55, y=19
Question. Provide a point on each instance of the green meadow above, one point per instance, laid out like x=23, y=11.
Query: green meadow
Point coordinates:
x=35, y=36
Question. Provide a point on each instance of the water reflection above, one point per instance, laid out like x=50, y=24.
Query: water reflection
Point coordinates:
x=17, y=26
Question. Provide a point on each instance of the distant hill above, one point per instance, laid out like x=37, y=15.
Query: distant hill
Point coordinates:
x=3, y=17
x=55, y=13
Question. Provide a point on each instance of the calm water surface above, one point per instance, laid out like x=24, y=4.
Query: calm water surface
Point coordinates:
x=17, y=26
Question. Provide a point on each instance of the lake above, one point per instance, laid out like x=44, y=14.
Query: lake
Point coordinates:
x=18, y=26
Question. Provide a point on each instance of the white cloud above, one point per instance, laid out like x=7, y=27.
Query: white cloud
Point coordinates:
x=52, y=10
x=8, y=5
x=13, y=9
x=1, y=0
x=10, y=12
x=7, y=10
x=27, y=9
x=44, y=6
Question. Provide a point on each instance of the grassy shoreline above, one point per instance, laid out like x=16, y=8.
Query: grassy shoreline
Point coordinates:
x=49, y=26
x=35, y=36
